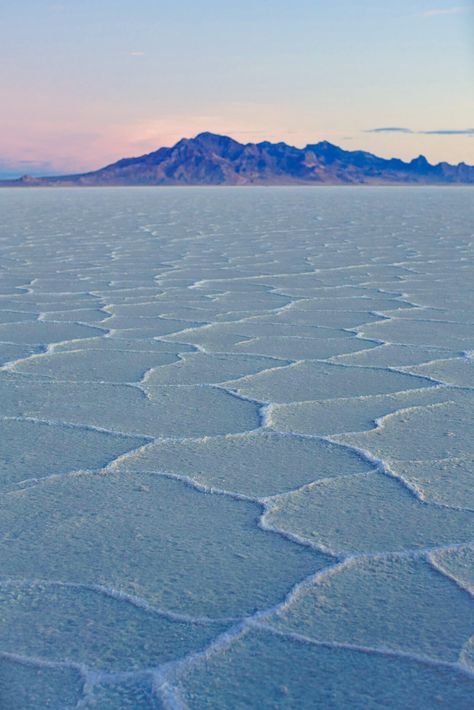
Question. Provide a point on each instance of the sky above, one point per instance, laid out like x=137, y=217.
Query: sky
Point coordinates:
x=86, y=82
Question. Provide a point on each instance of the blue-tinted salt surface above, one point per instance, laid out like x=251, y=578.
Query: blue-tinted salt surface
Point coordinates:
x=236, y=448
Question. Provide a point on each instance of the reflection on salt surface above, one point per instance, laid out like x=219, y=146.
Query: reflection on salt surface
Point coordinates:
x=236, y=456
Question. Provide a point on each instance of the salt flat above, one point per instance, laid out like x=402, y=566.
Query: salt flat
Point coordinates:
x=236, y=448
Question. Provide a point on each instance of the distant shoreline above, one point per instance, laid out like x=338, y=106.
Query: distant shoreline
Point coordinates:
x=263, y=186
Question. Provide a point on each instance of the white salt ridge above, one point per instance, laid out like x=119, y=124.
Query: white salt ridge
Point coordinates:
x=166, y=404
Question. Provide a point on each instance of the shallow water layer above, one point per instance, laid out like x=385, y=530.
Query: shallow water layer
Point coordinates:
x=236, y=448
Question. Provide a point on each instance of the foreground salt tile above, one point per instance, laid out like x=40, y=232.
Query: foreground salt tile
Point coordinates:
x=12, y=285
x=41, y=332
x=93, y=627
x=29, y=685
x=437, y=431
x=301, y=348
x=112, y=693
x=256, y=464
x=31, y=450
x=445, y=481
x=146, y=327
x=453, y=371
x=200, y=368
x=265, y=670
x=263, y=299
x=448, y=298
x=458, y=563
x=208, y=339
x=347, y=414
x=441, y=316
x=397, y=330
x=299, y=315
x=339, y=299
x=216, y=333
x=15, y=317
x=115, y=342
x=392, y=602
x=337, y=295
x=92, y=365
x=49, y=303
x=167, y=411
x=176, y=548
x=87, y=316
x=10, y=352
x=394, y=356
x=316, y=380
x=368, y=513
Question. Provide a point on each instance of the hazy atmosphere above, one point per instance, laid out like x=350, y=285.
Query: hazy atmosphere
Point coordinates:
x=114, y=78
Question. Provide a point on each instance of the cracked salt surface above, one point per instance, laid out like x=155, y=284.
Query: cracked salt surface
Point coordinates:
x=236, y=459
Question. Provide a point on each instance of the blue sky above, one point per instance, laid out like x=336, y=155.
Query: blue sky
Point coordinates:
x=84, y=82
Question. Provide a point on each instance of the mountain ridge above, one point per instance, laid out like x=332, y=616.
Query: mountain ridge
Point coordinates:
x=213, y=159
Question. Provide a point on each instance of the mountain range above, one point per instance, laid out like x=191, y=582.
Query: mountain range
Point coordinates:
x=210, y=159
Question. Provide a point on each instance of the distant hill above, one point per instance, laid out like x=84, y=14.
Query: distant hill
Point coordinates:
x=210, y=159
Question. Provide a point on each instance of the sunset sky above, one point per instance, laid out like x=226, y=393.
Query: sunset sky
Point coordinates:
x=85, y=82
